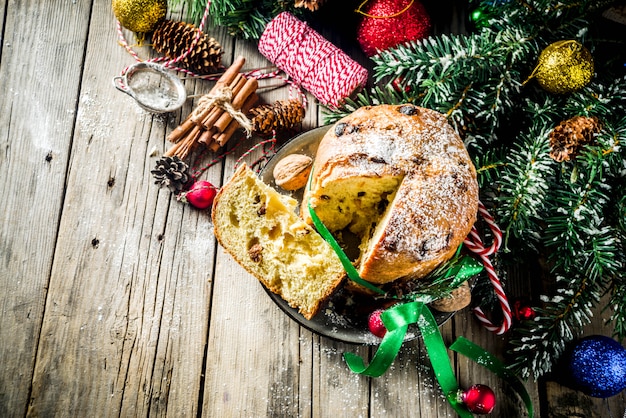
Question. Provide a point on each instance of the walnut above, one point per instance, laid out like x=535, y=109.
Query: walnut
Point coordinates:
x=292, y=172
x=458, y=299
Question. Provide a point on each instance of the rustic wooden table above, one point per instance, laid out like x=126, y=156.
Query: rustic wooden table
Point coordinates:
x=115, y=298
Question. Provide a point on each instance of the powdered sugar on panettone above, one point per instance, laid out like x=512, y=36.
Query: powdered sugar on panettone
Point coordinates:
x=435, y=202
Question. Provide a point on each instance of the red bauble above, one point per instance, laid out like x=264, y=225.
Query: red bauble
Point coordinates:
x=200, y=195
x=387, y=24
x=522, y=311
x=375, y=324
x=479, y=399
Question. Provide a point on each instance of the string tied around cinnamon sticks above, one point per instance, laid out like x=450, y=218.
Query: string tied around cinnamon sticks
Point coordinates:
x=218, y=115
x=222, y=98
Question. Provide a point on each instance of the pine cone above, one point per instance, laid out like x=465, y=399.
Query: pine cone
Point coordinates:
x=282, y=114
x=171, y=172
x=173, y=39
x=567, y=139
x=312, y=5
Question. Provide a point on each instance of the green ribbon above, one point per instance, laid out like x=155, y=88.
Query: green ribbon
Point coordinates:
x=438, y=354
x=465, y=269
x=353, y=274
x=397, y=320
x=474, y=352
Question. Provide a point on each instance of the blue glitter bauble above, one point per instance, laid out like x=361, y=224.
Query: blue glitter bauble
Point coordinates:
x=598, y=366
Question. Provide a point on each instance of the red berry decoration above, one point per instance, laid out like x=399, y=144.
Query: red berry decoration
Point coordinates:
x=200, y=195
x=389, y=23
x=397, y=84
x=479, y=399
x=522, y=311
x=376, y=325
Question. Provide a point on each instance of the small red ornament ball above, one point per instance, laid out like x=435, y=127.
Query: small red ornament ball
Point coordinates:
x=376, y=325
x=479, y=399
x=387, y=24
x=200, y=195
x=522, y=311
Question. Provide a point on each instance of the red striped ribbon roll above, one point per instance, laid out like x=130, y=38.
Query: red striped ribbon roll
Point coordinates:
x=310, y=60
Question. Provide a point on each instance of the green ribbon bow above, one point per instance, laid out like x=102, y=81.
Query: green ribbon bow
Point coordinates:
x=398, y=318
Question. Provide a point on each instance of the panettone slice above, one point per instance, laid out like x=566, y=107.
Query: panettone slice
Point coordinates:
x=259, y=227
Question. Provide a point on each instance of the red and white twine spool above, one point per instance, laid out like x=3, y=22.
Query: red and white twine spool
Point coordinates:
x=310, y=60
x=475, y=244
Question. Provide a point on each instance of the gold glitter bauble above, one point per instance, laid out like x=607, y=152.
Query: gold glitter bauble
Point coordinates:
x=564, y=67
x=140, y=16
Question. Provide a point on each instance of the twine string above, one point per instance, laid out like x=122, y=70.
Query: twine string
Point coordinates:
x=360, y=11
x=269, y=149
x=297, y=49
x=222, y=98
x=295, y=92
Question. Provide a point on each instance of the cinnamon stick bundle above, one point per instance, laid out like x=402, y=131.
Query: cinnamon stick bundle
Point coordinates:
x=210, y=124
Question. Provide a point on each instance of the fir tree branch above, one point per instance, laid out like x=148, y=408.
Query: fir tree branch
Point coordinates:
x=537, y=344
x=472, y=79
x=488, y=168
x=617, y=303
x=546, y=18
x=194, y=9
x=621, y=210
x=377, y=95
x=242, y=18
x=524, y=186
x=578, y=209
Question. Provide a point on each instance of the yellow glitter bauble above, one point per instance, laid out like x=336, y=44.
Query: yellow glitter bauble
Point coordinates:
x=564, y=67
x=140, y=16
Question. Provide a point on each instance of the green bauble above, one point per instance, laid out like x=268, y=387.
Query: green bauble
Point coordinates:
x=139, y=16
x=564, y=67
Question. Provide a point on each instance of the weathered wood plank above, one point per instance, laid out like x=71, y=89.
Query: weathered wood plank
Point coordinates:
x=410, y=388
x=337, y=391
x=41, y=57
x=253, y=358
x=3, y=6
x=252, y=361
x=127, y=312
x=167, y=366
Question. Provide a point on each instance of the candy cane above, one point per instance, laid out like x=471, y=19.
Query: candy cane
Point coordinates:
x=475, y=244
